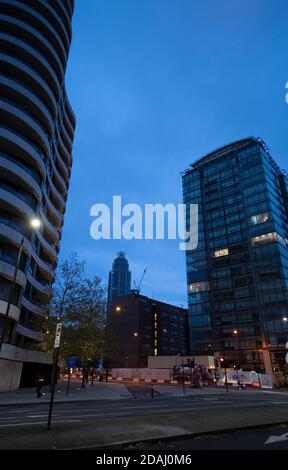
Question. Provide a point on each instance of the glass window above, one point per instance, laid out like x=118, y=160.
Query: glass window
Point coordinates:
x=198, y=287
x=267, y=238
x=259, y=218
x=222, y=252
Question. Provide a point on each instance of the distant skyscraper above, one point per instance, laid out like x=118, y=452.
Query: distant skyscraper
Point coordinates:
x=238, y=274
x=119, y=277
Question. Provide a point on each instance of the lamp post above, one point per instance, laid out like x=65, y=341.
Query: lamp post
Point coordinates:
x=236, y=333
x=33, y=225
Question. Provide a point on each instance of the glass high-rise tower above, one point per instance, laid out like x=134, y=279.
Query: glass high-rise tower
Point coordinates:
x=238, y=274
x=119, y=278
x=36, y=136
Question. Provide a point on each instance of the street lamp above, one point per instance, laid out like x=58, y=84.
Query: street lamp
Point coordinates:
x=118, y=308
x=33, y=224
x=236, y=333
x=285, y=319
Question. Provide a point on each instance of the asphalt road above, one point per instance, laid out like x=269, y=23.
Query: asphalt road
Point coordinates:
x=141, y=405
x=273, y=438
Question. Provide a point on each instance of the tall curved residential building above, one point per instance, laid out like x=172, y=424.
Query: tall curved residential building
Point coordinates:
x=36, y=135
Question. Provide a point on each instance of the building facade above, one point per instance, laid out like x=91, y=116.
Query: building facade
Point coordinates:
x=119, y=278
x=36, y=136
x=238, y=274
x=145, y=327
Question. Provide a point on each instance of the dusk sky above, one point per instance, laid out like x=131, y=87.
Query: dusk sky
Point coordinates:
x=156, y=84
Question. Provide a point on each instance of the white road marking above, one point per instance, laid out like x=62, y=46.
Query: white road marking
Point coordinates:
x=272, y=439
x=8, y=419
x=39, y=422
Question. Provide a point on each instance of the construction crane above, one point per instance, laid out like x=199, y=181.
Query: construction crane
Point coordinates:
x=139, y=286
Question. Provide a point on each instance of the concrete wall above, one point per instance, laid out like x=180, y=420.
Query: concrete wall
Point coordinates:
x=10, y=375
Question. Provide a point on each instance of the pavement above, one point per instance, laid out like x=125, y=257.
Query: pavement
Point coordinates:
x=137, y=417
x=99, y=391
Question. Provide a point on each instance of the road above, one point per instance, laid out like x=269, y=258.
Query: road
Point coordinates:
x=142, y=404
x=271, y=438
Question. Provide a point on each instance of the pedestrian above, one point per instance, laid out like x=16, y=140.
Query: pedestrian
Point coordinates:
x=40, y=381
x=101, y=377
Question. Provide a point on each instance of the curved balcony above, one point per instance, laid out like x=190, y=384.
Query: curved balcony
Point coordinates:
x=22, y=174
x=27, y=75
x=70, y=112
x=17, y=48
x=28, y=333
x=38, y=21
x=17, y=91
x=42, y=287
x=46, y=268
x=13, y=353
x=59, y=177
x=65, y=152
x=35, y=309
x=69, y=127
x=56, y=193
x=55, y=212
x=63, y=14
x=29, y=34
x=15, y=236
x=14, y=311
x=15, y=201
x=63, y=165
x=66, y=138
x=15, y=143
x=25, y=124
x=52, y=230
x=47, y=247
x=7, y=270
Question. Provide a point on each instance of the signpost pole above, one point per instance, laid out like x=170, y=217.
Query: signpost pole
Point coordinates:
x=54, y=371
x=183, y=377
x=68, y=383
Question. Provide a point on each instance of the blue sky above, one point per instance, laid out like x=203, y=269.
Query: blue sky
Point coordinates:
x=155, y=84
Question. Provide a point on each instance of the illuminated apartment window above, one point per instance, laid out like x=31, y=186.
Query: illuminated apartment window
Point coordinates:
x=222, y=252
x=155, y=352
x=259, y=218
x=195, y=287
x=267, y=238
x=155, y=316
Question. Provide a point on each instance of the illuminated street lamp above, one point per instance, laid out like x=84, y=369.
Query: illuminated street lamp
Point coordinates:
x=285, y=319
x=118, y=308
x=236, y=366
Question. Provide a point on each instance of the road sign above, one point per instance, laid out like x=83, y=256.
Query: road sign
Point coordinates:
x=58, y=335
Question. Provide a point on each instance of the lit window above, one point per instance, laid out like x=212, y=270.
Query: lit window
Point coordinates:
x=155, y=352
x=259, y=218
x=267, y=238
x=223, y=252
x=201, y=286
